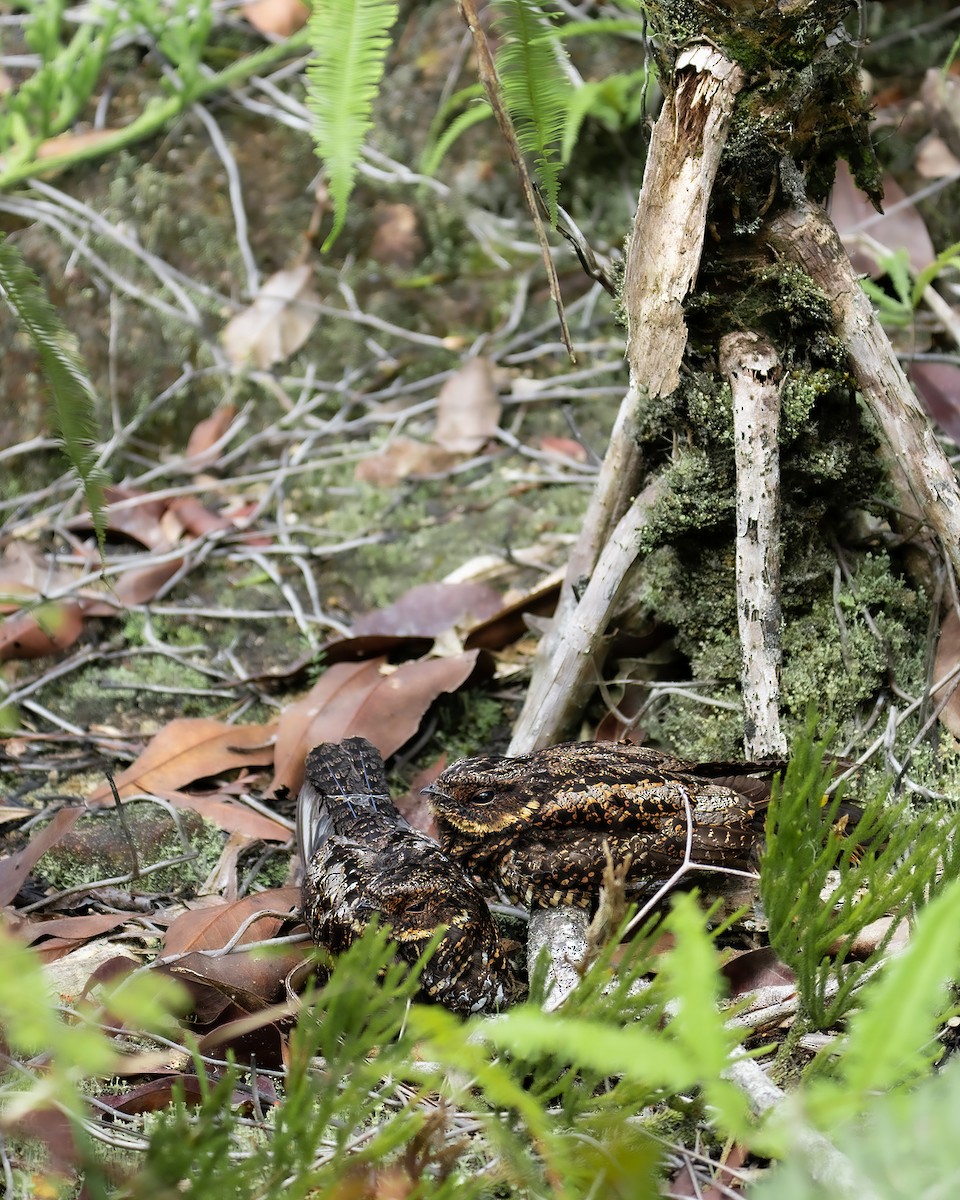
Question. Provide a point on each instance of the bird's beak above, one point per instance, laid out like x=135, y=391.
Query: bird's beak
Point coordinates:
x=432, y=790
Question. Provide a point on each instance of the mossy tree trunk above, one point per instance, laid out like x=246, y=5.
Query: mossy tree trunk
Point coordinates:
x=761, y=99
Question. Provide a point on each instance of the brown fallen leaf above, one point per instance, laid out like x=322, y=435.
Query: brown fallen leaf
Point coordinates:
x=934, y=159
x=564, y=447
x=70, y=929
x=415, y=807
x=27, y=574
x=277, y=323
x=229, y=815
x=368, y=699
x=133, y=514
x=402, y=458
x=396, y=240
x=188, y=749
x=509, y=623
x=45, y=629
x=196, y=518
x=279, y=17
x=248, y=978
x=468, y=408
x=206, y=433
x=431, y=609
x=755, y=969
x=15, y=868
x=938, y=386
x=947, y=658
x=903, y=229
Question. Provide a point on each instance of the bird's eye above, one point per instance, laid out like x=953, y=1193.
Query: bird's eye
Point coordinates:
x=484, y=797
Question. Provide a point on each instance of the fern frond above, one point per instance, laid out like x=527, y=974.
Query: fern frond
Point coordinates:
x=536, y=88
x=70, y=388
x=350, y=39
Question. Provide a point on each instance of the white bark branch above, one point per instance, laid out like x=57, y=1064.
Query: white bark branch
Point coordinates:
x=752, y=369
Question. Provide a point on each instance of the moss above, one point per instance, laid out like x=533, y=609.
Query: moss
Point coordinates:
x=97, y=848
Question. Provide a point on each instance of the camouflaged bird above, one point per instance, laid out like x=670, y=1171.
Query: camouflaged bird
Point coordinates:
x=537, y=824
x=363, y=861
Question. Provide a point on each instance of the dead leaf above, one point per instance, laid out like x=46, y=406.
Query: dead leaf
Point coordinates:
x=207, y=433
x=133, y=514
x=402, y=458
x=45, y=629
x=468, y=408
x=397, y=241
x=938, y=386
x=934, y=159
x=277, y=323
x=509, y=623
x=188, y=749
x=15, y=868
x=250, y=979
x=564, y=447
x=368, y=699
x=26, y=574
x=414, y=806
x=755, y=969
x=70, y=976
x=70, y=929
x=279, y=17
x=947, y=659
x=431, y=609
x=903, y=229
x=227, y=814
x=140, y=585
x=196, y=518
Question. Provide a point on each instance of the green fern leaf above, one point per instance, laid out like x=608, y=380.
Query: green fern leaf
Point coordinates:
x=537, y=90
x=350, y=40
x=70, y=389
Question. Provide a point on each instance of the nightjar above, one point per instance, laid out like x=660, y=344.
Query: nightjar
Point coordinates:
x=362, y=861
x=536, y=824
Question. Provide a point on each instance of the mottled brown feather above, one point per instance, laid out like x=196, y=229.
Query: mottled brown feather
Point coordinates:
x=363, y=861
x=536, y=824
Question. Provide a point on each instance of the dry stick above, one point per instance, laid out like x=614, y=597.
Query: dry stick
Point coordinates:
x=662, y=263
x=916, y=463
x=558, y=698
x=491, y=85
x=827, y=1165
x=752, y=368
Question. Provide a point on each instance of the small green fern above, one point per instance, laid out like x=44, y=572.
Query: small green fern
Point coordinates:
x=536, y=88
x=70, y=388
x=350, y=40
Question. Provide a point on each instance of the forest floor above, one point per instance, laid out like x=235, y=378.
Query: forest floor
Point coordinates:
x=297, y=439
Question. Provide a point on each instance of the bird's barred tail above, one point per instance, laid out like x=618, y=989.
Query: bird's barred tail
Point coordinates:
x=342, y=780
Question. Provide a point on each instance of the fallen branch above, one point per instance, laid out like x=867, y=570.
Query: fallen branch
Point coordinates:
x=916, y=464
x=556, y=698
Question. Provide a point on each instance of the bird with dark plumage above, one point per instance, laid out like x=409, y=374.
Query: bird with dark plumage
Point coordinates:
x=363, y=861
x=536, y=824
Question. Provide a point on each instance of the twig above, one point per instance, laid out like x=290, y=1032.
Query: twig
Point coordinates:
x=752, y=368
